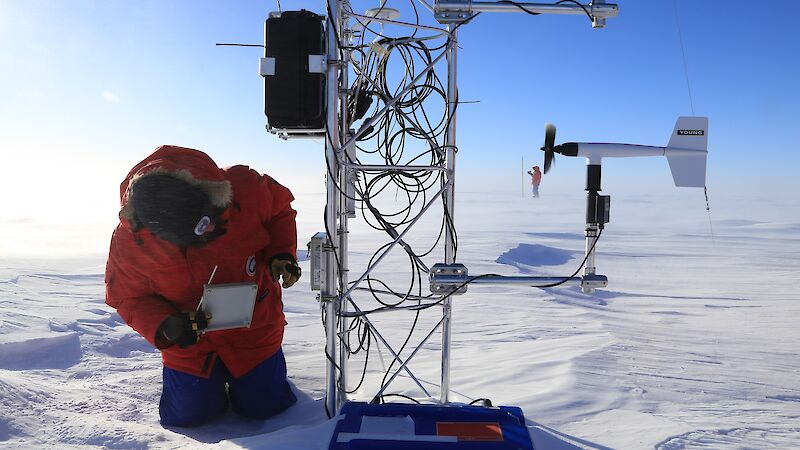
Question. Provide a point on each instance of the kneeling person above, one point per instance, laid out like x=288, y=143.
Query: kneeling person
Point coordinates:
x=183, y=218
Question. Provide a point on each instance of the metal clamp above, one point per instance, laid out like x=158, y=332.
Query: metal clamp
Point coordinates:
x=450, y=11
x=594, y=281
x=445, y=270
x=327, y=298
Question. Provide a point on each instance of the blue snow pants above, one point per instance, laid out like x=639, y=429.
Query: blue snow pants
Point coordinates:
x=187, y=400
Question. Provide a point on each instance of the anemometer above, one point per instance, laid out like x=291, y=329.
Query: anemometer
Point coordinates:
x=325, y=77
x=686, y=154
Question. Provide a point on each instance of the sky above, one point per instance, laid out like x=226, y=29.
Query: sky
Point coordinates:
x=88, y=88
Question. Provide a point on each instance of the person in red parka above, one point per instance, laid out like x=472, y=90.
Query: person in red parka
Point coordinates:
x=536, y=179
x=183, y=218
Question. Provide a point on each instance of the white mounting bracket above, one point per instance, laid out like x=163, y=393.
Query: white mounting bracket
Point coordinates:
x=266, y=66
x=317, y=63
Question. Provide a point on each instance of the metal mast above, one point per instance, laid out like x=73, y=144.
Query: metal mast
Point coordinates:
x=449, y=203
x=328, y=295
x=448, y=279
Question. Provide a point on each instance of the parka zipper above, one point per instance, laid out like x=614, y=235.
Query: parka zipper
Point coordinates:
x=207, y=362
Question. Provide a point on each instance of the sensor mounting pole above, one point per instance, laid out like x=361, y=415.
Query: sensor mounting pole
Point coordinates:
x=449, y=201
x=330, y=302
x=597, y=215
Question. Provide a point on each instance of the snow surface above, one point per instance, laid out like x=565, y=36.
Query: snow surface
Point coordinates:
x=692, y=345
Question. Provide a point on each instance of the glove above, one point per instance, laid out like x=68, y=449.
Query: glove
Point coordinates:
x=284, y=265
x=184, y=328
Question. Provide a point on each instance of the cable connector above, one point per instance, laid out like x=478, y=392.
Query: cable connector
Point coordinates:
x=378, y=49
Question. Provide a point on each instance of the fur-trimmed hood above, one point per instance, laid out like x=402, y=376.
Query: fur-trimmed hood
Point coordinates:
x=186, y=164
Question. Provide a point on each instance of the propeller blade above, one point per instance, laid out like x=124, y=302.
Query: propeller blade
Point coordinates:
x=549, y=143
x=549, y=135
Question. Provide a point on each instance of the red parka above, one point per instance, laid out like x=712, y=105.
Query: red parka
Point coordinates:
x=147, y=278
x=536, y=177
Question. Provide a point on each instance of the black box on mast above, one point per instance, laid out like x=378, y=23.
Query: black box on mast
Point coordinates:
x=294, y=71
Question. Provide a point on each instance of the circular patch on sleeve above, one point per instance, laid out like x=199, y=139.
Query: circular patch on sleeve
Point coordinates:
x=251, y=265
x=202, y=225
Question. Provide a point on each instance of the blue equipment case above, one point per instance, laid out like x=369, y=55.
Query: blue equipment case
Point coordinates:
x=400, y=426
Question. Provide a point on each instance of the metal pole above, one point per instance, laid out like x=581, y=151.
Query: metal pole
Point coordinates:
x=593, y=185
x=471, y=7
x=449, y=199
x=342, y=232
x=589, y=268
x=456, y=280
x=329, y=287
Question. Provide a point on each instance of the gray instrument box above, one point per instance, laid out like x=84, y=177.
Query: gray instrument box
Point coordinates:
x=231, y=305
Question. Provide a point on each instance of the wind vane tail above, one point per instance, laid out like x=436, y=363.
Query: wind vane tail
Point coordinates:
x=687, y=151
